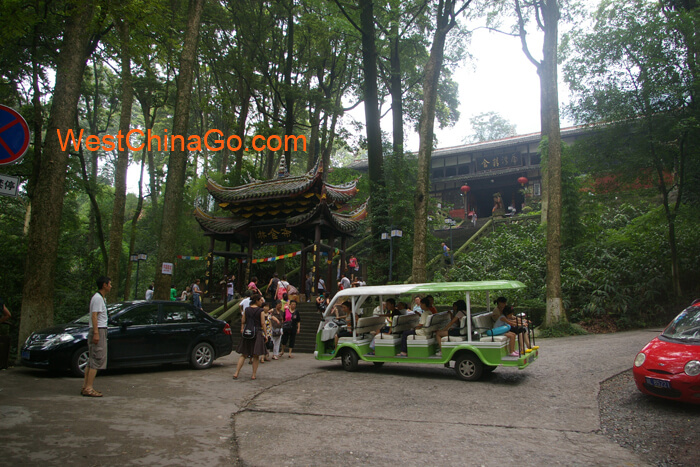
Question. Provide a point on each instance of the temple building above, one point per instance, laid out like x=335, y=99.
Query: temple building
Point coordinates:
x=489, y=167
x=287, y=209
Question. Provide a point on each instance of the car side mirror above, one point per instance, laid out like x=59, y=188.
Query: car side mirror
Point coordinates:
x=125, y=324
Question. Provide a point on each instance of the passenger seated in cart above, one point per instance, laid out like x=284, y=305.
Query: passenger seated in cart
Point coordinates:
x=432, y=308
x=459, y=311
x=517, y=326
x=425, y=307
x=500, y=303
x=402, y=307
x=502, y=321
x=346, y=307
x=391, y=311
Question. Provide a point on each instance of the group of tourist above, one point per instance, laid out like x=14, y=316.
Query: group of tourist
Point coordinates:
x=267, y=327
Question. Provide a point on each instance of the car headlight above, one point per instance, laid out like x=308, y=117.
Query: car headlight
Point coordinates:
x=639, y=359
x=56, y=339
x=692, y=368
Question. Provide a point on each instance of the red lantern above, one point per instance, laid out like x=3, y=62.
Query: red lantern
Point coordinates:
x=465, y=189
x=522, y=181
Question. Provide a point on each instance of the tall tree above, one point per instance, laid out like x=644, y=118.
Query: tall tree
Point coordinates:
x=634, y=70
x=47, y=204
x=445, y=20
x=546, y=15
x=175, y=182
x=116, y=230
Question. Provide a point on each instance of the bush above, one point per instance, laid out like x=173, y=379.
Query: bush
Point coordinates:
x=617, y=274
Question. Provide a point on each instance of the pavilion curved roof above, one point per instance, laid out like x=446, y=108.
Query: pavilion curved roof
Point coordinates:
x=346, y=223
x=301, y=201
x=220, y=225
x=341, y=194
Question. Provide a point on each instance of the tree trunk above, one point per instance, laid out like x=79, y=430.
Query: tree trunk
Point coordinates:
x=45, y=224
x=175, y=182
x=396, y=93
x=288, y=91
x=270, y=156
x=425, y=145
x=550, y=118
x=371, y=99
x=314, y=145
x=240, y=130
x=116, y=230
x=134, y=221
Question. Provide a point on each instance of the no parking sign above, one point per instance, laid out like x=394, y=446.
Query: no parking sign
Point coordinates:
x=14, y=136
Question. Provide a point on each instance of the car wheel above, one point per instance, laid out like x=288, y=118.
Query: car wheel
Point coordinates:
x=468, y=367
x=349, y=360
x=79, y=361
x=202, y=356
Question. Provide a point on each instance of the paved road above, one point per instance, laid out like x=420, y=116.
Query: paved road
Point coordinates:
x=304, y=412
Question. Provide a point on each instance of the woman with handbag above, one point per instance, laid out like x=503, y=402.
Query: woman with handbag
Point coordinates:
x=253, y=335
x=276, y=325
x=290, y=327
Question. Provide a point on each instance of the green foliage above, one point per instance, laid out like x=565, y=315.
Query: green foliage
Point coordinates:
x=618, y=269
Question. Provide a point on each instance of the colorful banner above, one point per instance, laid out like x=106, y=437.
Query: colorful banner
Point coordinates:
x=272, y=258
x=258, y=260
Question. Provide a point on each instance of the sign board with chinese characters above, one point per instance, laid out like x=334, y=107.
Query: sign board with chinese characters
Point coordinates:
x=8, y=185
x=167, y=268
x=273, y=234
x=484, y=164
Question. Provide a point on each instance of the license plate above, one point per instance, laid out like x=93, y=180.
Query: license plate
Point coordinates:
x=658, y=383
x=25, y=354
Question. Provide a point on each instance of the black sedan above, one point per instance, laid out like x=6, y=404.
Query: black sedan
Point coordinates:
x=139, y=333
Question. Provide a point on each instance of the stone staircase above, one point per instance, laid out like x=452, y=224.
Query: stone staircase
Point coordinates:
x=306, y=339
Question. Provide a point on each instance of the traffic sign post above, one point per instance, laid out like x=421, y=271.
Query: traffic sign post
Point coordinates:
x=14, y=136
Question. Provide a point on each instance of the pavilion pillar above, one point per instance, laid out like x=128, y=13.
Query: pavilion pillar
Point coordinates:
x=317, y=257
x=343, y=258
x=210, y=269
x=226, y=275
x=331, y=283
x=249, y=266
x=240, y=277
x=302, y=288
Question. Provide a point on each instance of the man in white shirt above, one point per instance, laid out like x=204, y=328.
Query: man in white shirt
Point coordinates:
x=344, y=282
x=97, y=336
x=149, y=293
x=229, y=288
x=245, y=303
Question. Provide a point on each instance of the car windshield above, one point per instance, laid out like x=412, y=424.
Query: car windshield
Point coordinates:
x=686, y=326
x=112, y=309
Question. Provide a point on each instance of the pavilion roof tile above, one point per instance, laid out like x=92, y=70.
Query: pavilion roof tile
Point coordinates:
x=220, y=225
x=281, y=187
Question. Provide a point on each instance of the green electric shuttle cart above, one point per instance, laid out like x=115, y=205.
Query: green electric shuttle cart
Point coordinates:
x=377, y=338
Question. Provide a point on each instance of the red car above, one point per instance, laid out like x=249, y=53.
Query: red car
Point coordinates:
x=669, y=365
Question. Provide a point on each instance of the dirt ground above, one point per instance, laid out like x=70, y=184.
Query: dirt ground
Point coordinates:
x=665, y=432
x=304, y=412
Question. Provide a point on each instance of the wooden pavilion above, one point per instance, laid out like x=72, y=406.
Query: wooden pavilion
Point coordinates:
x=286, y=209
